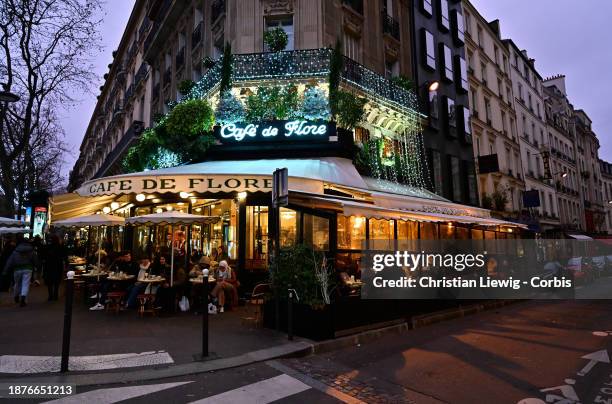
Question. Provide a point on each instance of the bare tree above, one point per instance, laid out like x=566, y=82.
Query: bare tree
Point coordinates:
x=45, y=50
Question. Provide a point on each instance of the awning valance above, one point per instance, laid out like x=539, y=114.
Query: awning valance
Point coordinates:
x=369, y=209
x=229, y=176
x=579, y=237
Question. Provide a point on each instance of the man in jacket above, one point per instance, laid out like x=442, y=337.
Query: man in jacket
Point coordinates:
x=22, y=262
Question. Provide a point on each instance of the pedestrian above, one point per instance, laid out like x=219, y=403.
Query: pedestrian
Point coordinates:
x=22, y=262
x=6, y=279
x=55, y=262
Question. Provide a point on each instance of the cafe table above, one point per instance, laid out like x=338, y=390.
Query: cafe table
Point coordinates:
x=200, y=280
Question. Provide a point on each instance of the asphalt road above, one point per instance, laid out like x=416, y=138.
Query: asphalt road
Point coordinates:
x=530, y=352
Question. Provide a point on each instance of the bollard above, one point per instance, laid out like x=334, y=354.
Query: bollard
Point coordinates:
x=290, y=315
x=205, y=318
x=67, y=321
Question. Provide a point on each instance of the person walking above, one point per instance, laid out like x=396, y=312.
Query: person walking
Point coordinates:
x=55, y=262
x=22, y=262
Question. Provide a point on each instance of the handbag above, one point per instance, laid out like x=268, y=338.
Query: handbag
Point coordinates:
x=184, y=304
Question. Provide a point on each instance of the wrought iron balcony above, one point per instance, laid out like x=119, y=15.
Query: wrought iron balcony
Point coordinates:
x=217, y=10
x=305, y=64
x=390, y=25
x=196, y=35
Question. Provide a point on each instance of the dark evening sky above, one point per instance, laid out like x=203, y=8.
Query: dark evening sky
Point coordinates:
x=563, y=36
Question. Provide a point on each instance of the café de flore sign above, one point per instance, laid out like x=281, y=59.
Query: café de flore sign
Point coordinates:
x=275, y=131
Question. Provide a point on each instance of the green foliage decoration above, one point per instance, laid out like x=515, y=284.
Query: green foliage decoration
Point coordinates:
x=350, y=109
x=227, y=62
x=272, y=103
x=185, y=86
x=335, y=73
x=314, y=105
x=229, y=109
x=403, y=82
x=296, y=269
x=188, y=120
x=276, y=39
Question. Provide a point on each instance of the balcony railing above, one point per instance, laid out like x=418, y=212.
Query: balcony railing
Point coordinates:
x=390, y=25
x=180, y=58
x=356, y=5
x=196, y=35
x=140, y=74
x=217, y=10
x=143, y=28
x=305, y=64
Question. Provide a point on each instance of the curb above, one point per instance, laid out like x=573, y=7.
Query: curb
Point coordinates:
x=299, y=348
x=294, y=349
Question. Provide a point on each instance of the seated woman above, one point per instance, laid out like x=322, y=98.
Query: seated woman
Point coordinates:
x=226, y=286
x=138, y=287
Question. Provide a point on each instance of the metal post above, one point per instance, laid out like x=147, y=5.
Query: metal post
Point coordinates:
x=67, y=321
x=205, y=314
x=290, y=315
x=276, y=264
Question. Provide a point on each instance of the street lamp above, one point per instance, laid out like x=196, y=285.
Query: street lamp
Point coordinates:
x=433, y=86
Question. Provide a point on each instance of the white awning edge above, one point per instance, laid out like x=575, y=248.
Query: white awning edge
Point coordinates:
x=579, y=237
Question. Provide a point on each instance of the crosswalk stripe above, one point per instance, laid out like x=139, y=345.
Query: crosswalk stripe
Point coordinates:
x=262, y=392
x=116, y=394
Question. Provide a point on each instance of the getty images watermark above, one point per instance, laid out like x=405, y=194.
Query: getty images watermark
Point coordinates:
x=486, y=269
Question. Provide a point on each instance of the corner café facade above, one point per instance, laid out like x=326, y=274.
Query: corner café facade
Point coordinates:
x=331, y=206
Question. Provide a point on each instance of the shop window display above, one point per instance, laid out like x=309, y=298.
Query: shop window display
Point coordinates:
x=351, y=232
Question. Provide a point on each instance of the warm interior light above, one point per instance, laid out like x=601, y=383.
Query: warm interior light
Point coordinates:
x=156, y=200
x=141, y=197
x=106, y=209
x=114, y=205
x=198, y=209
x=359, y=221
x=184, y=194
x=168, y=208
x=212, y=206
x=509, y=230
x=242, y=195
x=159, y=210
x=434, y=86
x=450, y=224
x=180, y=203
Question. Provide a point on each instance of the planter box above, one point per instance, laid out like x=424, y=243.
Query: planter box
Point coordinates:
x=344, y=315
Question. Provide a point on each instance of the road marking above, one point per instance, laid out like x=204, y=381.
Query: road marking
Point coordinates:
x=263, y=392
x=594, y=357
x=116, y=394
x=24, y=364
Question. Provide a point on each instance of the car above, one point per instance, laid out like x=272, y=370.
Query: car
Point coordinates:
x=581, y=268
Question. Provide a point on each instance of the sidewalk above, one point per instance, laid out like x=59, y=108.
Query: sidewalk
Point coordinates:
x=36, y=330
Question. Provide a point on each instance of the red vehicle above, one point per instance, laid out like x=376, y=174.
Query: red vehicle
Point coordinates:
x=582, y=269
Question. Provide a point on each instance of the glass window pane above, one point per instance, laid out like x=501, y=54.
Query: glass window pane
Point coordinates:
x=288, y=236
x=429, y=231
x=382, y=229
x=351, y=232
x=316, y=232
x=256, y=237
x=447, y=231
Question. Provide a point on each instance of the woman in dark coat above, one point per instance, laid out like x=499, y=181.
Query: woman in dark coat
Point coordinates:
x=55, y=262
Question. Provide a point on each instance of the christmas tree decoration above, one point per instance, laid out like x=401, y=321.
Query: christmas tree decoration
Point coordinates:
x=229, y=109
x=163, y=158
x=276, y=39
x=315, y=105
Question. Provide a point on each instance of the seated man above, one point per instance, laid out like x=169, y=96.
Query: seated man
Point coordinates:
x=226, y=286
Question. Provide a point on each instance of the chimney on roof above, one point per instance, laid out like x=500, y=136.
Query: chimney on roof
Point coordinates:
x=558, y=81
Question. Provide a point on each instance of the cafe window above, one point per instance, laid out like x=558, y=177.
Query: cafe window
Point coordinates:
x=288, y=234
x=429, y=231
x=351, y=232
x=362, y=135
x=429, y=49
x=443, y=9
x=489, y=242
x=447, y=231
x=256, y=236
x=407, y=234
x=462, y=233
x=382, y=231
x=316, y=232
x=447, y=63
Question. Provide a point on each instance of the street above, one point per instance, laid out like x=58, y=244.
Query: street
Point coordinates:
x=525, y=350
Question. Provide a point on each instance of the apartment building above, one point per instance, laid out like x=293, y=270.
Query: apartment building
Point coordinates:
x=587, y=146
x=441, y=78
x=166, y=41
x=531, y=127
x=561, y=152
x=496, y=147
x=122, y=109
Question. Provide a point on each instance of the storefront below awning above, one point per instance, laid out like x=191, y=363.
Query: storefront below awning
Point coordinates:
x=369, y=209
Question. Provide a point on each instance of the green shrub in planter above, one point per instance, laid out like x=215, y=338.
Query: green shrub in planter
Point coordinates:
x=276, y=39
x=350, y=109
x=185, y=86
